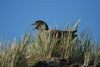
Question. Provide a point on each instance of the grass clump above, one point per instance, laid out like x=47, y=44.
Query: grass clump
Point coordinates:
x=82, y=50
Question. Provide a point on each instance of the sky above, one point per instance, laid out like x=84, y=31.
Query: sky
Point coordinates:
x=17, y=15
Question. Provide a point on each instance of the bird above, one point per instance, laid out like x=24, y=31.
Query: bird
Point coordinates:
x=42, y=28
x=45, y=34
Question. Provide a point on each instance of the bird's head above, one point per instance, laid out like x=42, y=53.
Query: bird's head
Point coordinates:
x=40, y=25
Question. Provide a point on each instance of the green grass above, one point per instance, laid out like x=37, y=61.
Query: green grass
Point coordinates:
x=23, y=53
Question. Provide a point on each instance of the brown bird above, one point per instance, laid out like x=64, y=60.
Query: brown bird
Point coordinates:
x=42, y=28
x=44, y=35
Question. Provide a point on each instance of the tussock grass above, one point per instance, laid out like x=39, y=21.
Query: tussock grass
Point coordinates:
x=82, y=50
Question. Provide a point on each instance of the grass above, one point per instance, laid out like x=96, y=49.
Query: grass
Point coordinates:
x=83, y=49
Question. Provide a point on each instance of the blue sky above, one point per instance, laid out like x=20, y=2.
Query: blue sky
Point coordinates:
x=17, y=15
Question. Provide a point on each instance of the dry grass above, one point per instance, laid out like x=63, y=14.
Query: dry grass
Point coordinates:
x=29, y=49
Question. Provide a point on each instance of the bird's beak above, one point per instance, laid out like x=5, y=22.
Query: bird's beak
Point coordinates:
x=33, y=24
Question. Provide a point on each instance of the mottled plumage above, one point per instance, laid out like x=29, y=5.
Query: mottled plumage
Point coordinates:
x=43, y=30
x=56, y=38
